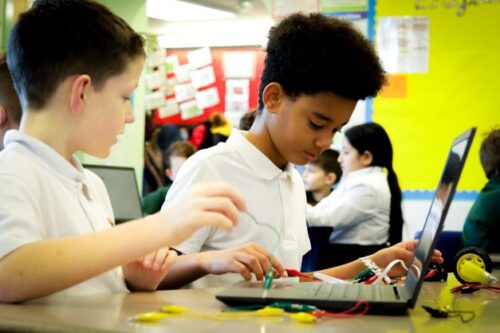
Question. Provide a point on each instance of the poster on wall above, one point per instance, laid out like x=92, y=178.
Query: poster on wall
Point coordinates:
x=354, y=11
x=237, y=99
x=190, y=110
x=184, y=92
x=207, y=98
x=203, y=77
x=199, y=58
x=282, y=8
x=403, y=44
x=171, y=108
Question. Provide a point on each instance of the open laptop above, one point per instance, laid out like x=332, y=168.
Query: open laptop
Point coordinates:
x=122, y=189
x=381, y=298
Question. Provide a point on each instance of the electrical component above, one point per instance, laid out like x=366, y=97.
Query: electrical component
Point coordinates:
x=473, y=265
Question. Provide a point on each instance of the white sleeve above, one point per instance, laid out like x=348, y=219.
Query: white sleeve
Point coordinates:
x=356, y=205
x=19, y=214
x=192, y=172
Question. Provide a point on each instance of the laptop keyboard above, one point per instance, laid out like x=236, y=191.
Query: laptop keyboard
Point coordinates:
x=345, y=291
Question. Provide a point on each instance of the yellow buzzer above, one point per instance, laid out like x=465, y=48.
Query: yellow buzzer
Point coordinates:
x=173, y=309
x=270, y=312
x=303, y=317
x=149, y=317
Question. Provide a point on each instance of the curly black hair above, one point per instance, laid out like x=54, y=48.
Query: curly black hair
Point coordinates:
x=308, y=54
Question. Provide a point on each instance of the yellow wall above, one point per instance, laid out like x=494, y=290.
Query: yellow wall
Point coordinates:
x=461, y=90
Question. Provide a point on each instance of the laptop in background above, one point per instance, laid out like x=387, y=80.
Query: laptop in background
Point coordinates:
x=122, y=188
x=385, y=299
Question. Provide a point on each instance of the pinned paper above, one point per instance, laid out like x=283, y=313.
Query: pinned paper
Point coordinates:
x=203, y=77
x=239, y=64
x=156, y=58
x=190, y=110
x=207, y=98
x=184, y=92
x=199, y=58
x=171, y=108
x=154, y=100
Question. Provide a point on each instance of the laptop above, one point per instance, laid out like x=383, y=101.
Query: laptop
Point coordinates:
x=122, y=188
x=386, y=299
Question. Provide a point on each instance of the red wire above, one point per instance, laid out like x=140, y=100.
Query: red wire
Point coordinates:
x=343, y=314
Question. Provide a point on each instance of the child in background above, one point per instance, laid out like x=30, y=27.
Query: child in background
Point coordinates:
x=10, y=110
x=316, y=69
x=177, y=154
x=365, y=209
x=482, y=225
x=246, y=121
x=56, y=223
x=320, y=175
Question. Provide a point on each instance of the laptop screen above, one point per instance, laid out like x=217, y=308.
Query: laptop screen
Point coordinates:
x=122, y=188
x=438, y=209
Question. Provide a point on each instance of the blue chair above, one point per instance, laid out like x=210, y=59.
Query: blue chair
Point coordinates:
x=449, y=245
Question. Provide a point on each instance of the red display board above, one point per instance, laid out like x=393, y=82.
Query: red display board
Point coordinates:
x=220, y=83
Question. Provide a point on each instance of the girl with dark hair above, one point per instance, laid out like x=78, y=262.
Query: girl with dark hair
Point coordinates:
x=365, y=210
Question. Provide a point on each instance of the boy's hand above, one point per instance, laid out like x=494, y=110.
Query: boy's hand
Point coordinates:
x=244, y=260
x=146, y=273
x=403, y=251
x=209, y=204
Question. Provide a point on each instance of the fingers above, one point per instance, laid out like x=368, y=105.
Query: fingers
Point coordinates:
x=221, y=205
x=159, y=260
x=221, y=190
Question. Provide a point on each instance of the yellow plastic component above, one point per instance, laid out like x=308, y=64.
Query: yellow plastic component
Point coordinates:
x=303, y=317
x=472, y=272
x=173, y=309
x=150, y=317
x=270, y=312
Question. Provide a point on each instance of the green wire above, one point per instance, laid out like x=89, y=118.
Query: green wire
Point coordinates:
x=269, y=274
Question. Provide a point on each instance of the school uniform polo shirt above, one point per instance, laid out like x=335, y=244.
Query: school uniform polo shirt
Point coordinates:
x=358, y=209
x=275, y=197
x=43, y=196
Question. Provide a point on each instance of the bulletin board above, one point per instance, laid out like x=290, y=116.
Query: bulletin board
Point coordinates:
x=423, y=112
x=220, y=82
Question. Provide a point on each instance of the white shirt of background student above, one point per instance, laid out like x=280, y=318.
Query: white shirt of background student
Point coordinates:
x=359, y=208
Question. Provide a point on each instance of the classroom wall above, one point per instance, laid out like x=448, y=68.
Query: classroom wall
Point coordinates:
x=458, y=91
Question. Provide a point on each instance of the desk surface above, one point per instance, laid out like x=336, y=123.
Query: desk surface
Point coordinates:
x=112, y=313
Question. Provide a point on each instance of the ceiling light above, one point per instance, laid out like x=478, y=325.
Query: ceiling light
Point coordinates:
x=174, y=10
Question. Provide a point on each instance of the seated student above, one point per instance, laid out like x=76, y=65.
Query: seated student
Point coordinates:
x=220, y=129
x=482, y=225
x=320, y=175
x=304, y=99
x=246, y=121
x=10, y=110
x=56, y=222
x=365, y=209
x=177, y=154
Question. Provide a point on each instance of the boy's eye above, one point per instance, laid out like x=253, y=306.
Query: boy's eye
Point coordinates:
x=315, y=126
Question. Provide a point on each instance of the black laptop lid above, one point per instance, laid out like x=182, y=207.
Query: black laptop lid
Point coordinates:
x=434, y=222
x=122, y=188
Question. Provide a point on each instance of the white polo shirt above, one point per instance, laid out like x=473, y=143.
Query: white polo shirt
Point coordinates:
x=43, y=196
x=274, y=197
x=358, y=209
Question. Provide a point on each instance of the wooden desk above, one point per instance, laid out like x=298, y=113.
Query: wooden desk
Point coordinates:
x=111, y=314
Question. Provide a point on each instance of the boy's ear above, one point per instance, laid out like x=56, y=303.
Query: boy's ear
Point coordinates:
x=168, y=173
x=4, y=116
x=367, y=158
x=80, y=90
x=272, y=96
x=330, y=178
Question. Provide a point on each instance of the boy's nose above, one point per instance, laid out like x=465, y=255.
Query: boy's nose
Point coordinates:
x=129, y=117
x=324, y=141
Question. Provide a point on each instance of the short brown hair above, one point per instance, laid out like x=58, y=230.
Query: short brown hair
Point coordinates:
x=489, y=153
x=181, y=149
x=8, y=95
x=56, y=39
x=328, y=161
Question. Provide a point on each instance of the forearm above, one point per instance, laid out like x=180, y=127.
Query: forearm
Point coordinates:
x=45, y=267
x=186, y=269
x=346, y=271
